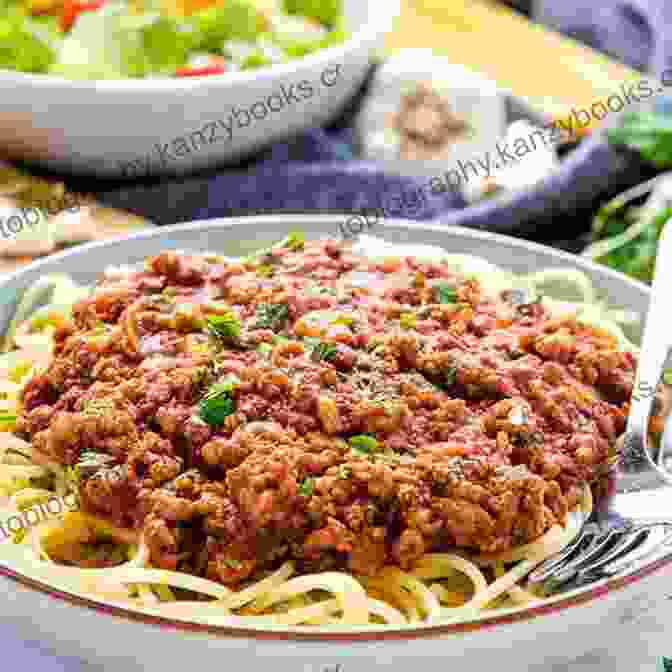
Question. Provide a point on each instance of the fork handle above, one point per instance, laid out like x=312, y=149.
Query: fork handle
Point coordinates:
x=638, y=465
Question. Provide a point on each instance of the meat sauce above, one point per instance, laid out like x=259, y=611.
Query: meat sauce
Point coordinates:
x=310, y=404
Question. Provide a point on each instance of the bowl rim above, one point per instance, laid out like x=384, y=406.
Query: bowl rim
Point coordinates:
x=556, y=604
x=380, y=22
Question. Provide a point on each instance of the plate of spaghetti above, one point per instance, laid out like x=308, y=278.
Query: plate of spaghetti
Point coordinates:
x=305, y=436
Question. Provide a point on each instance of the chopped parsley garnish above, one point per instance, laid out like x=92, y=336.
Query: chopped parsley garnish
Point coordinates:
x=363, y=443
x=90, y=456
x=374, y=342
x=407, y=320
x=294, y=240
x=218, y=403
x=344, y=472
x=307, y=487
x=449, y=378
x=323, y=352
x=316, y=290
x=344, y=319
x=271, y=316
x=225, y=327
x=232, y=563
x=392, y=408
x=445, y=294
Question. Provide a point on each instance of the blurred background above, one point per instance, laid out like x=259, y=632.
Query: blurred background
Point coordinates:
x=498, y=71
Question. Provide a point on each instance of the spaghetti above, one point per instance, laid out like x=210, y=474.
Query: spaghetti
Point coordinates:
x=447, y=394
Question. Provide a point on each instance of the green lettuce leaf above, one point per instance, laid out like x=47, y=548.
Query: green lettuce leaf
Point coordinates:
x=296, y=48
x=26, y=44
x=93, y=49
x=113, y=44
x=233, y=20
x=327, y=12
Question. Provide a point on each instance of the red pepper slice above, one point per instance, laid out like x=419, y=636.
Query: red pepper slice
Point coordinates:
x=211, y=69
x=73, y=8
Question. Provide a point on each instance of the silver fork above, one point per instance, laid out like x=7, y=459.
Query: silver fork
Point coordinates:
x=623, y=533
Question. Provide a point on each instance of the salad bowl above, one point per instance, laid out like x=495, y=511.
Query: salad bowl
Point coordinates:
x=541, y=635
x=143, y=128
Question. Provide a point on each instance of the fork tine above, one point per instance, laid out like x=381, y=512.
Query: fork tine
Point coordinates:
x=576, y=519
x=603, y=543
x=546, y=568
x=628, y=542
x=659, y=537
x=599, y=543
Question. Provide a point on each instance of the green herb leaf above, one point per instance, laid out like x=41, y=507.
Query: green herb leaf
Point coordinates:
x=265, y=348
x=445, y=294
x=649, y=134
x=295, y=240
x=344, y=472
x=407, y=320
x=307, y=487
x=225, y=327
x=346, y=320
x=363, y=443
x=7, y=417
x=636, y=257
x=233, y=563
x=667, y=376
x=324, y=352
x=316, y=290
x=374, y=342
x=324, y=11
x=666, y=664
x=27, y=44
x=232, y=20
x=271, y=316
x=218, y=402
x=449, y=378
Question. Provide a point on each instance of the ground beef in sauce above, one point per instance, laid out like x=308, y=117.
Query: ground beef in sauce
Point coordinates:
x=379, y=410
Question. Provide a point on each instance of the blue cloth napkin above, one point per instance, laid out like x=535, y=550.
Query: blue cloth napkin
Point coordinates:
x=316, y=171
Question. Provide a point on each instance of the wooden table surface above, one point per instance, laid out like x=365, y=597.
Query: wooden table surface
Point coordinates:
x=552, y=72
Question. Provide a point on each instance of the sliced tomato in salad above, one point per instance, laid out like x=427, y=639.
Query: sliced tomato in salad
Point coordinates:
x=73, y=8
x=214, y=65
x=201, y=70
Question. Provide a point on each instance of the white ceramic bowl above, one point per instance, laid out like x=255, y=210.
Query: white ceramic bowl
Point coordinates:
x=471, y=97
x=121, y=128
x=556, y=633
